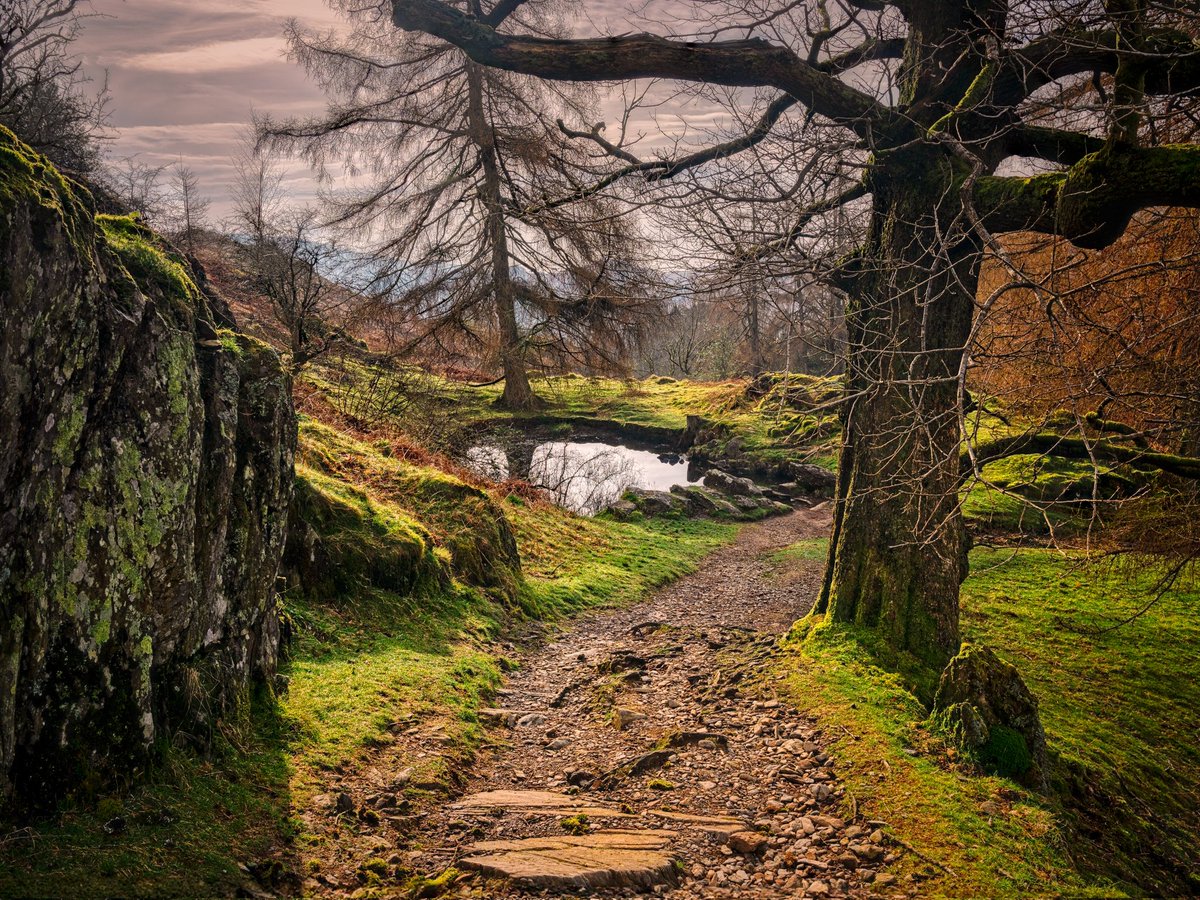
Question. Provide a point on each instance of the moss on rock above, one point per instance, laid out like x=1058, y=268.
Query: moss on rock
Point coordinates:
x=983, y=705
x=145, y=470
x=460, y=518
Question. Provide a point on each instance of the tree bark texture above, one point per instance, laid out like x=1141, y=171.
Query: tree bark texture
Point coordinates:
x=897, y=553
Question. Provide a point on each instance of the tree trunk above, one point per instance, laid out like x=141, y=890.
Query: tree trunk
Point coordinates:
x=517, y=394
x=754, y=331
x=898, y=549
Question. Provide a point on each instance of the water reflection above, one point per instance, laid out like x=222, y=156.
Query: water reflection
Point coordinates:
x=583, y=476
x=488, y=462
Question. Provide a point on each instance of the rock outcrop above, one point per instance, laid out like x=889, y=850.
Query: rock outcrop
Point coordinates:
x=983, y=704
x=362, y=518
x=731, y=484
x=695, y=500
x=793, y=478
x=145, y=474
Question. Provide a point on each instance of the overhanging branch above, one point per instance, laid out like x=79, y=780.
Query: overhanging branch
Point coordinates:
x=745, y=63
x=1053, y=144
x=1091, y=203
x=1169, y=58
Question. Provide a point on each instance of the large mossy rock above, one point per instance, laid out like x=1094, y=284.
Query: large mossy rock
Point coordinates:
x=145, y=474
x=984, y=705
x=364, y=517
x=341, y=541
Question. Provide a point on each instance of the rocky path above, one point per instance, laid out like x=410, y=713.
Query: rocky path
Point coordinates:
x=640, y=752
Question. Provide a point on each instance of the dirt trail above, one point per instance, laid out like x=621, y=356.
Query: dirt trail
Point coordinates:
x=740, y=802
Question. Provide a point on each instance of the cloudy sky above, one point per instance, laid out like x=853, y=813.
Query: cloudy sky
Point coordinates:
x=185, y=76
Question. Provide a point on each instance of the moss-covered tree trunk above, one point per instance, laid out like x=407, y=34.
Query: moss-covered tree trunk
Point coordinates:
x=897, y=553
x=517, y=392
x=898, y=550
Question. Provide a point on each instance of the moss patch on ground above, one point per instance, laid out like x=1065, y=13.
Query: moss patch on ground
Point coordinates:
x=658, y=402
x=1120, y=711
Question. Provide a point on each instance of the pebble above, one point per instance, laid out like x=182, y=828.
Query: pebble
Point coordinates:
x=622, y=717
x=747, y=841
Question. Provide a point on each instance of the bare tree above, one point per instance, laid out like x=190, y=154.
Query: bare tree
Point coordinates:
x=951, y=90
x=258, y=195
x=686, y=341
x=187, y=207
x=298, y=268
x=44, y=96
x=137, y=186
x=460, y=158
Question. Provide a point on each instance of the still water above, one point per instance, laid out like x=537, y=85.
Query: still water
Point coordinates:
x=583, y=476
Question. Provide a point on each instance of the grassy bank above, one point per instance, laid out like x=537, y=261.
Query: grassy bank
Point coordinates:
x=657, y=402
x=1120, y=711
x=774, y=417
x=392, y=653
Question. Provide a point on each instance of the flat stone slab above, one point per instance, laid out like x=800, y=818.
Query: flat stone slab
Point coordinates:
x=598, y=860
x=716, y=824
x=535, y=803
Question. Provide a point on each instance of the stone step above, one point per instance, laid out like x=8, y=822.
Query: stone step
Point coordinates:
x=546, y=803
x=602, y=859
x=725, y=825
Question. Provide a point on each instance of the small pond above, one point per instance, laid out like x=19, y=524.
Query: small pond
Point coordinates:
x=583, y=476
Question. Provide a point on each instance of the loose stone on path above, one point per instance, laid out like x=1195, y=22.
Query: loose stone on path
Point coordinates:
x=708, y=788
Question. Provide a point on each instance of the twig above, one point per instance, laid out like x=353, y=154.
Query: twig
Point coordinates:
x=917, y=853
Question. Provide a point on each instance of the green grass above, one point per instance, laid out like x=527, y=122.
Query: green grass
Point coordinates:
x=662, y=403
x=1120, y=710
x=811, y=550
x=365, y=656
x=357, y=669
x=573, y=562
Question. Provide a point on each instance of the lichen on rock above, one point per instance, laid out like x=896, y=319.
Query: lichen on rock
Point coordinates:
x=145, y=474
x=984, y=706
